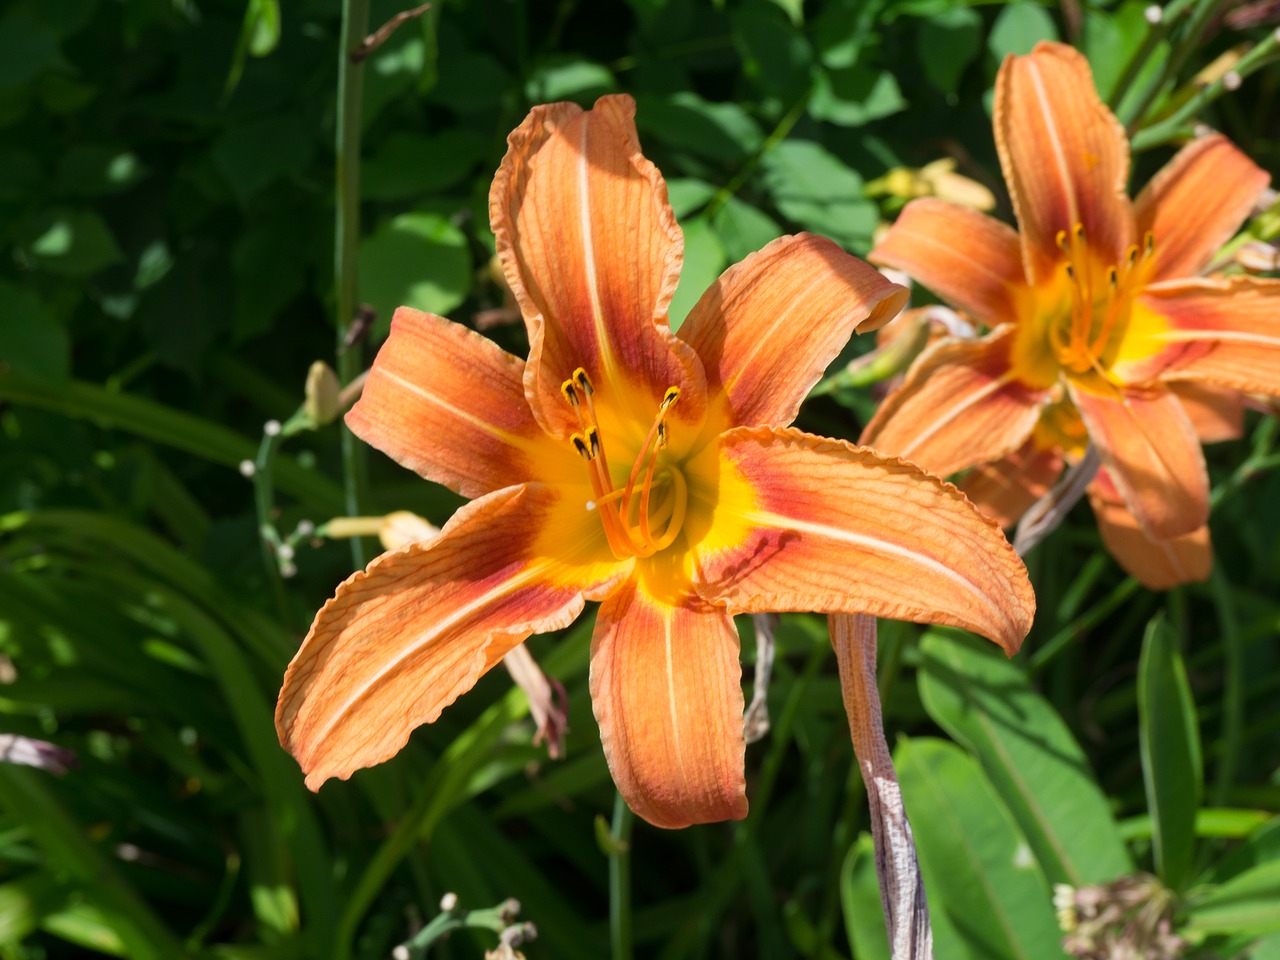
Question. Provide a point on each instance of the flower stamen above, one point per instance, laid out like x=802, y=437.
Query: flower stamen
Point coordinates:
x=1082, y=340
x=625, y=513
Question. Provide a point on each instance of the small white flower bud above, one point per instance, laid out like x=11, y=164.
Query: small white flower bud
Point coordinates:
x=271, y=428
x=1153, y=14
x=306, y=528
x=247, y=468
x=449, y=902
x=1231, y=80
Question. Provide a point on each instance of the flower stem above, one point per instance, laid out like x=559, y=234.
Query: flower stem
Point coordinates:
x=620, y=881
x=355, y=24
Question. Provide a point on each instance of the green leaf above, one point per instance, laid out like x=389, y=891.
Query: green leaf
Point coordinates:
x=856, y=95
x=95, y=169
x=946, y=44
x=417, y=260
x=1018, y=28
x=64, y=841
x=1261, y=846
x=567, y=77
x=415, y=165
x=1111, y=38
x=1169, y=742
x=718, y=131
x=860, y=902
x=26, y=48
x=986, y=703
x=1246, y=904
x=815, y=190
x=75, y=243
x=704, y=260
x=688, y=196
x=32, y=341
x=252, y=156
x=977, y=865
x=743, y=229
x=775, y=56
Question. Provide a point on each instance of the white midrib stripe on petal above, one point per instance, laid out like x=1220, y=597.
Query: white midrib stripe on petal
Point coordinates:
x=434, y=398
x=589, y=255
x=882, y=546
x=420, y=640
x=945, y=419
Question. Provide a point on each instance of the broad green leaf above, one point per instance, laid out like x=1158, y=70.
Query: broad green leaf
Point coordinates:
x=977, y=865
x=743, y=229
x=853, y=96
x=253, y=156
x=76, y=243
x=688, y=196
x=565, y=77
x=32, y=342
x=718, y=131
x=704, y=260
x=860, y=902
x=94, y=169
x=844, y=28
x=1248, y=904
x=412, y=166
x=946, y=44
x=417, y=260
x=775, y=55
x=1018, y=28
x=986, y=703
x=1111, y=38
x=1261, y=846
x=26, y=48
x=270, y=271
x=1169, y=742
x=818, y=192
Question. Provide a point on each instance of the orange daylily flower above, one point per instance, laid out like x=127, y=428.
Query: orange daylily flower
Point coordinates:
x=1094, y=304
x=648, y=470
x=1005, y=489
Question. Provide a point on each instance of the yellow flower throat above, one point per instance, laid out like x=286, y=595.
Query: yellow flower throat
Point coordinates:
x=645, y=514
x=1087, y=336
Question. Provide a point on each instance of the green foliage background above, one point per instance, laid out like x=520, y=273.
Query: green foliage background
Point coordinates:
x=167, y=173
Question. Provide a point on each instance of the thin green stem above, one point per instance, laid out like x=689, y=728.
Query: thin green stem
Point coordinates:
x=355, y=25
x=1188, y=41
x=620, y=881
x=1133, y=68
x=264, y=501
x=779, y=134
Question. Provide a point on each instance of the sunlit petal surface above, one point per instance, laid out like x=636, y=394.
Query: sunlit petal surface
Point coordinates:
x=770, y=325
x=961, y=404
x=834, y=528
x=666, y=690
x=1157, y=564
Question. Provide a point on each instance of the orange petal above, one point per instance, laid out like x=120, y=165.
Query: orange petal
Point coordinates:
x=1064, y=156
x=666, y=688
x=405, y=638
x=1216, y=413
x=1153, y=455
x=960, y=405
x=592, y=252
x=806, y=523
x=449, y=404
x=968, y=259
x=1222, y=331
x=770, y=325
x=1197, y=203
x=1006, y=489
x=1156, y=564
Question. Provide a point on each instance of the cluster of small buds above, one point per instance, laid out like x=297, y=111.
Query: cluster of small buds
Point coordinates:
x=1128, y=919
